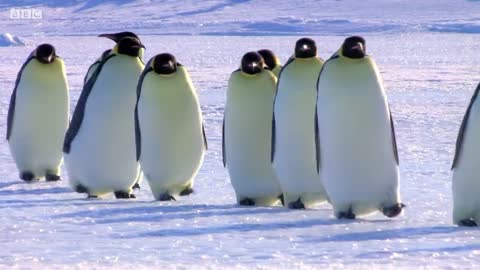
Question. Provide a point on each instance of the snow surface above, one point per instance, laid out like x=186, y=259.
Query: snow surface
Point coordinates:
x=429, y=73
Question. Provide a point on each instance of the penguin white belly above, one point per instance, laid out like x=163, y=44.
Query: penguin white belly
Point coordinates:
x=171, y=133
x=40, y=119
x=357, y=161
x=295, y=156
x=248, y=119
x=466, y=179
x=102, y=155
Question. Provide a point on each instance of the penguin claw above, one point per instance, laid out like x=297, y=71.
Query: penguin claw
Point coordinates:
x=167, y=197
x=298, y=204
x=136, y=186
x=346, y=215
x=123, y=195
x=467, y=223
x=393, y=211
x=247, y=202
x=27, y=176
x=52, y=178
x=186, y=191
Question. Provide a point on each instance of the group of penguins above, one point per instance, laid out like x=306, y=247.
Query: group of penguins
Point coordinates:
x=307, y=132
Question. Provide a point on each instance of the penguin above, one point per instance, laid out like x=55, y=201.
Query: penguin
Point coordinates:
x=356, y=146
x=99, y=145
x=271, y=60
x=293, y=128
x=38, y=115
x=465, y=179
x=170, y=136
x=247, y=133
x=115, y=37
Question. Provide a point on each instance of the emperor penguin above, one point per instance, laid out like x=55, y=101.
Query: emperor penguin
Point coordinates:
x=38, y=115
x=293, y=128
x=356, y=146
x=116, y=37
x=99, y=145
x=465, y=178
x=271, y=60
x=170, y=136
x=247, y=133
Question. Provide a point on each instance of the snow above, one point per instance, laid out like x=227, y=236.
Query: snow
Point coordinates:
x=429, y=61
x=7, y=39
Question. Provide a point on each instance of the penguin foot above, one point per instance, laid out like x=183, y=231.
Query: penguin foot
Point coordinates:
x=136, y=186
x=393, y=211
x=167, y=197
x=247, y=202
x=52, y=178
x=282, y=199
x=346, y=215
x=467, y=223
x=186, y=191
x=123, y=195
x=298, y=204
x=81, y=189
x=27, y=176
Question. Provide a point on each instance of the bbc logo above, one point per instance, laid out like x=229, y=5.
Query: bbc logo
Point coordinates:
x=25, y=14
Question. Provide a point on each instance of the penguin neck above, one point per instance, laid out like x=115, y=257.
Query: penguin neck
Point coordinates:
x=308, y=59
x=353, y=60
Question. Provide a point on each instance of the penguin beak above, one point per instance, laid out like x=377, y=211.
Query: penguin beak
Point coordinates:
x=305, y=47
x=46, y=60
x=358, y=47
x=110, y=36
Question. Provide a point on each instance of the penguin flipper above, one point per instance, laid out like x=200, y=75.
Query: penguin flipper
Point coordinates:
x=79, y=111
x=463, y=128
x=317, y=142
x=13, y=98
x=394, y=138
x=205, y=142
x=224, y=153
x=138, y=133
x=272, y=148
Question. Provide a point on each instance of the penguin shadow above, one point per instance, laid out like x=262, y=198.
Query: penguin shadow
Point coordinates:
x=237, y=228
x=149, y=213
x=400, y=233
x=44, y=188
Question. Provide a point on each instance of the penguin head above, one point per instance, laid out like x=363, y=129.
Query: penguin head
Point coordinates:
x=271, y=60
x=45, y=53
x=305, y=48
x=252, y=63
x=119, y=36
x=130, y=46
x=354, y=47
x=164, y=64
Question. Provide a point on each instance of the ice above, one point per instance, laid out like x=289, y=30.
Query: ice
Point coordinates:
x=7, y=40
x=429, y=75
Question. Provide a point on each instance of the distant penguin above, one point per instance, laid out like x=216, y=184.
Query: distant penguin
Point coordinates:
x=99, y=145
x=466, y=179
x=116, y=37
x=170, y=136
x=293, y=149
x=357, y=151
x=38, y=115
x=271, y=60
x=247, y=133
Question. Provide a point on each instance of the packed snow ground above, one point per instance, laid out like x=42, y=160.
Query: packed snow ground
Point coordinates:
x=429, y=77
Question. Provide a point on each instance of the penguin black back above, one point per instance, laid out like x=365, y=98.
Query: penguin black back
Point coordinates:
x=164, y=64
x=130, y=46
x=252, y=63
x=305, y=48
x=354, y=47
x=270, y=59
